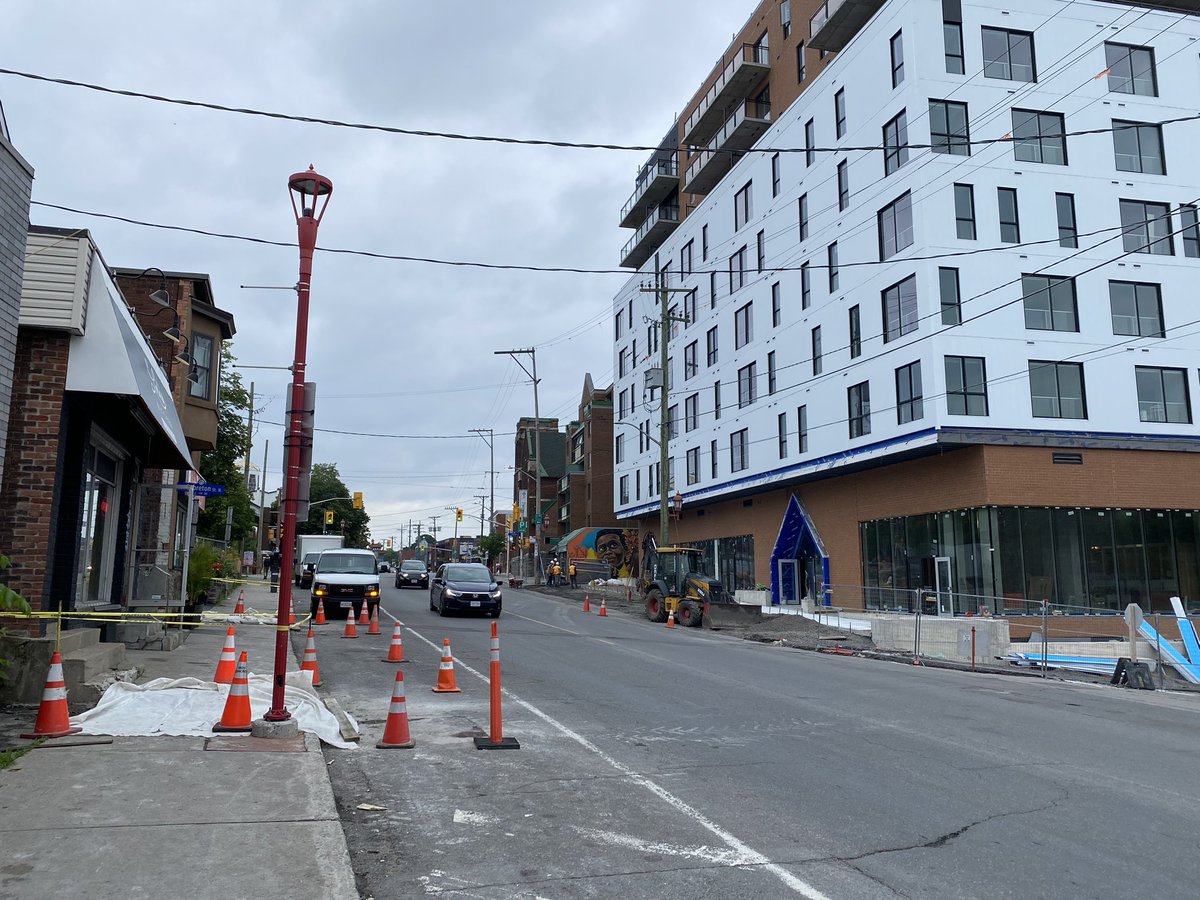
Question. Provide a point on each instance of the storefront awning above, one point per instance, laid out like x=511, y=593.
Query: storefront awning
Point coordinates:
x=112, y=357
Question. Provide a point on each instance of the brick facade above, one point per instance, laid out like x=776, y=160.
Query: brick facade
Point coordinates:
x=16, y=182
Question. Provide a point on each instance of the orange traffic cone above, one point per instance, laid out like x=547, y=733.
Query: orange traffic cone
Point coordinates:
x=445, y=683
x=374, y=623
x=364, y=619
x=53, y=719
x=320, y=619
x=309, y=663
x=396, y=648
x=587, y=603
x=291, y=616
x=395, y=732
x=603, y=610
x=240, y=609
x=671, y=619
x=351, y=630
x=236, y=716
x=227, y=664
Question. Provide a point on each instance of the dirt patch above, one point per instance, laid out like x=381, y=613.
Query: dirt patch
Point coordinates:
x=799, y=632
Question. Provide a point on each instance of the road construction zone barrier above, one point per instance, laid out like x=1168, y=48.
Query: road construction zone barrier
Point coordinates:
x=175, y=619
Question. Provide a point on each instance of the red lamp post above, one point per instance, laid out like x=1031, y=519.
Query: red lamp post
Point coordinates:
x=312, y=191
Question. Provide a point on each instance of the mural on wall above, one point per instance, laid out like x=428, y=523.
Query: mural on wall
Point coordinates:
x=616, y=546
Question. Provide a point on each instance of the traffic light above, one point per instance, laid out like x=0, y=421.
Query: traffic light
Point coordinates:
x=329, y=517
x=358, y=501
x=389, y=543
x=458, y=515
x=516, y=512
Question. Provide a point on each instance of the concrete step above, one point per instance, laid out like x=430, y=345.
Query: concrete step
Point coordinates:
x=76, y=639
x=88, y=694
x=90, y=662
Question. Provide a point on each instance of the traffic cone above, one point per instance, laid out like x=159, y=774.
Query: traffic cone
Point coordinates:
x=671, y=619
x=53, y=719
x=496, y=739
x=351, y=630
x=236, y=716
x=227, y=664
x=396, y=648
x=374, y=623
x=364, y=619
x=320, y=619
x=445, y=683
x=395, y=732
x=240, y=609
x=309, y=663
x=603, y=610
x=291, y=616
x=587, y=603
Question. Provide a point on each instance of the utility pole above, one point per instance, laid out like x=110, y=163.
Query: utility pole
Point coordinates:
x=482, y=498
x=262, y=499
x=246, y=461
x=491, y=468
x=664, y=329
x=537, y=454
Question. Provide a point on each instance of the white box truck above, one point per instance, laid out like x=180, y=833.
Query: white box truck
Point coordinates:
x=308, y=548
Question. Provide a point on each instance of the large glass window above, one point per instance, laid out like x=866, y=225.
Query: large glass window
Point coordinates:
x=691, y=412
x=950, y=296
x=783, y=442
x=810, y=143
x=966, y=386
x=964, y=211
x=843, y=184
x=1163, y=395
x=908, y=393
x=1008, y=55
x=202, y=375
x=952, y=38
x=855, y=332
x=739, y=450
x=900, y=309
x=816, y=350
x=858, y=401
x=802, y=213
x=839, y=112
x=1056, y=390
x=1010, y=221
x=743, y=326
x=747, y=385
x=1049, y=302
x=802, y=429
x=1039, y=137
x=1068, y=232
x=100, y=520
x=895, y=143
x=1147, y=228
x=1189, y=228
x=897, y=46
x=895, y=225
x=710, y=345
x=831, y=263
x=949, y=129
x=693, y=465
x=1131, y=69
x=743, y=206
x=1136, y=308
x=1138, y=148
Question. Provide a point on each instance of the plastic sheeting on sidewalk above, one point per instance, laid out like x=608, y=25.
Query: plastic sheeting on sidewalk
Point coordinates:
x=190, y=707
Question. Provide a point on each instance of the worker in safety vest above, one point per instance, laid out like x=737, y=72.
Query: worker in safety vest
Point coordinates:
x=571, y=573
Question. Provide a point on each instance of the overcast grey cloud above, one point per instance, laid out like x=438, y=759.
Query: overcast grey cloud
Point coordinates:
x=396, y=347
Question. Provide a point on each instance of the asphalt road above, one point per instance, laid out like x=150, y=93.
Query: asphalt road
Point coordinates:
x=687, y=764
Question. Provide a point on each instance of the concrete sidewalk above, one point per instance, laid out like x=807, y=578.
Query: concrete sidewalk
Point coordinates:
x=176, y=816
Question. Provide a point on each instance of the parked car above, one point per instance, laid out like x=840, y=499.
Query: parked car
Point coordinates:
x=464, y=586
x=345, y=580
x=304, y=570
x=412, y=572
x=384, y=566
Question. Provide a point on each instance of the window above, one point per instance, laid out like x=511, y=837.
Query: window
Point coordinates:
x=672, y=422
x=802, y=429
x=1068, y=232
x=712, y=449
x=617, y=327
x=629, y=321
x=1147, y=228
x=1056, y=390
x=737, y=270
x=710, y=345
x=689, y=307
x=760, y=245
x=1190, y=230
x=619, y=448
x=897, y=44
x=743, y=206
x=1163, y=395
x=747, y=385
x=686, y=258
x=1049, y=302
x=816, y=350
x=800, y=69
x=623, y=404
x=691, y=413
x=900, y=309
x=1008, y=55
x=966, y=386
x=895, y=225
x=895, y=143
x=638, y=478
x=775, y=175
x=858, y=402
x=802, y=206
x=712, y=290
x=704, y=242
x=202, y=353
x=739, y=450
x=949, y=129
x=624, y=489
x=689, y=360
x=831, y=257
x=771, y=372
x=1136, y=308
x=1138, y=147
x=855, y=333
x=633, y=353
x=810, y=141
x=693, y=465
x=952, y=38
x=782, y=419
x=622, y=362
x=951, y=298
x=1131, y=69
x=743, y=327
x=776, y=305
x=1039, y=137
x=1010, y=223
x=843, y=183
x=805, y=285
x=839, y=112
x=716, y=400
x=785, y=17
x=909, y=405
x=964, y=211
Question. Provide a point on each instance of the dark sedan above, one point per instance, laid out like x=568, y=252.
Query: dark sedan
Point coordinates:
x=412, y=572
x=464, y=586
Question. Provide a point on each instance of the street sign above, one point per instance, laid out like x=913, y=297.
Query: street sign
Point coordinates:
x=203, y=490
x=522, y=527
x=537, y=518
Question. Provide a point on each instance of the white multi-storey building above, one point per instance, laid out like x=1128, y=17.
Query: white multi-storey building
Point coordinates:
x=940, y=332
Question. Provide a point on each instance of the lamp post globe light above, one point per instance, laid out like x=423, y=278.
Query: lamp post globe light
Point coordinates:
x=310, y=193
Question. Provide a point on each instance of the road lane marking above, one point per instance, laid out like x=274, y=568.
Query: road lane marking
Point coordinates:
x=747, y=856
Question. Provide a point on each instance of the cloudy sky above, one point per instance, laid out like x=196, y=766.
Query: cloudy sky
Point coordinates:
x=397, y=348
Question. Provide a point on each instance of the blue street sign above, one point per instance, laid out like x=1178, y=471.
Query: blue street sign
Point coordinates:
x=203, y=490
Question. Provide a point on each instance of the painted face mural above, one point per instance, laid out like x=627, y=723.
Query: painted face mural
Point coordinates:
x=615, y=546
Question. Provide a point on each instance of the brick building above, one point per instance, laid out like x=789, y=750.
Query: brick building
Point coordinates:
x=585, y=489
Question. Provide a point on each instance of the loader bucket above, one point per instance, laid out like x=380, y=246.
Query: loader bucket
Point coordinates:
x=722, y=615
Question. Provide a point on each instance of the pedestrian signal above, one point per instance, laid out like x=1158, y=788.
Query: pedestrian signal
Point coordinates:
x=329, y=517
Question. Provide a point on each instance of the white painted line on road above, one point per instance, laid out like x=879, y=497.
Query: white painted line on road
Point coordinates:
x=466, y=817
x=709, y=854
x=747, y=856
x=547, y=624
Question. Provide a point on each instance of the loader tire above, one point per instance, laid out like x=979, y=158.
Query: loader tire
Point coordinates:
x=656, y=610
x=689, y=614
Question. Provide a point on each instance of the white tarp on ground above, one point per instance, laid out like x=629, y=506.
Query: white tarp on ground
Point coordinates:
x=189, y=706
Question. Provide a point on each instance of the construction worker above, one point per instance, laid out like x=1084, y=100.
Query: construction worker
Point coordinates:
x=571, y=573
x=556, y=573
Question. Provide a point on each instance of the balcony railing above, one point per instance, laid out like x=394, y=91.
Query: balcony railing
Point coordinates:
x=653, y=185
x=836, y=21
x=739, y=133
x=733, y=85
x=660, y=223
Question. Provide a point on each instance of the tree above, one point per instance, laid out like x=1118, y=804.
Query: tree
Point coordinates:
x=223, y=464
x=491, y=546
x=349, y=522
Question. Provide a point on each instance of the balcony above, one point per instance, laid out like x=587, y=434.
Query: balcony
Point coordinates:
x=655, y=183
x=732, y=86
x=836, y=21
x=658, y=225
x=739, y=133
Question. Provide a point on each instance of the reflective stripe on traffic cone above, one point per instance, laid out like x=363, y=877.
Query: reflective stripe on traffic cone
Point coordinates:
x=53, y=718
x=351, y=629
x=587, y=603
x=240, y=609
x=309, y=663
x=236, y=716
x=227, y=664
x=445, y=683
x=395, y=732
x=320, y=619
x=671, y=619
x=374, y=623
x=363, y=619
x=603, y=610
x=291, y=616
x=396, y=648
